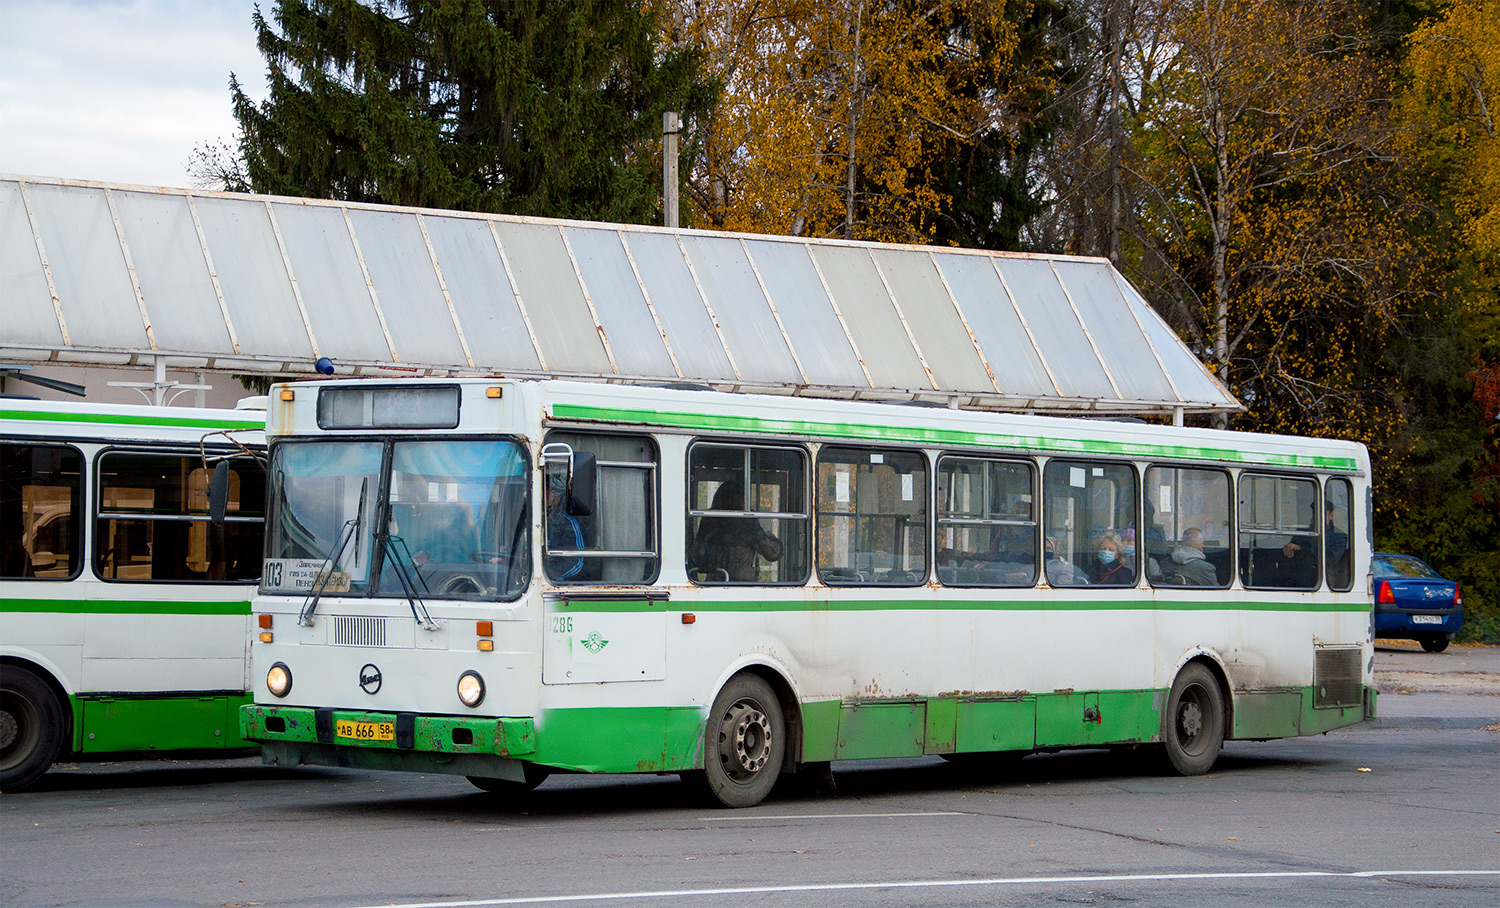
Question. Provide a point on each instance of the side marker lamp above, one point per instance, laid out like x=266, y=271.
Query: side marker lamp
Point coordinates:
x=267, y=637
x=486, y=646
x=279, y=680
x=470, y=689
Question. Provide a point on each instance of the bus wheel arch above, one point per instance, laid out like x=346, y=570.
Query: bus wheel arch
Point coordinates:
x=1195, y=718
x=747, y=740
x=34, y=723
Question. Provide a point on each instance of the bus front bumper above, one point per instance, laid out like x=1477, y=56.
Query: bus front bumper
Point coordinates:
x=380, y=740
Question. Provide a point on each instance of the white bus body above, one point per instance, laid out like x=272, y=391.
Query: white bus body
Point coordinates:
x=908, y=605
x=123, y=613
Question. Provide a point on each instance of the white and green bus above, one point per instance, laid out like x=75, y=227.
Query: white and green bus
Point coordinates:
x=124, y=614
x=503, y=579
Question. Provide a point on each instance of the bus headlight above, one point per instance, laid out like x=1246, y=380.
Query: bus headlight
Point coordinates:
x=279, y=680
x=471, y=689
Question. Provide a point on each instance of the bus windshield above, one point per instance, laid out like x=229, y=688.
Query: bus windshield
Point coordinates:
x=453, y=517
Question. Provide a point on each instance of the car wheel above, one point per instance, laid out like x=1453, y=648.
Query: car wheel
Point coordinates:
x=1433, y=643
x=31, y=728
x=744, y=743
x=1192, y=728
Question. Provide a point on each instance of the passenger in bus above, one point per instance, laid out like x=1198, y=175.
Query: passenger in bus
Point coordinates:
x=1061, y=571
x=724, y=548
x=1336, y=542
x=1111, y=567
x=1188, y=566
x=563, y=531
x=1153, y=567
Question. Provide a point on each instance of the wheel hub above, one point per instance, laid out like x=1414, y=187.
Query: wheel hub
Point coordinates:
x=8, y=729
x=1192, y=719
x=750, y=734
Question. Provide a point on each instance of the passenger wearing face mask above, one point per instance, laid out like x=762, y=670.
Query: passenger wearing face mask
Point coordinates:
x=1111, y=566
x=1153, y=567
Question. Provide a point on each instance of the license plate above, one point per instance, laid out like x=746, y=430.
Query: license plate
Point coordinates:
x=1426, y=619
x=365, y=731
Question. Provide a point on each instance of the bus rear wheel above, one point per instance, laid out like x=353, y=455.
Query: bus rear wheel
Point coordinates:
x=745, y=743
x=1192, y=728
x=31, y=728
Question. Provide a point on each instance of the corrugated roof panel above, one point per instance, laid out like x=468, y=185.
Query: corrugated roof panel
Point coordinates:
x=343, y=315
x=552, y=299
x=616, y=294
x=159, y=230
x=754, y=338
x=253, y=277
x=407, y=286
x=481, y=293
x=871, y=316
x=684, y=316
x=455, y=291
x=26, y=313
x=998, y=329
x=792, y=281
x=1055, y=326
x=88, y=267
x=930, y=314
x=1131, y=363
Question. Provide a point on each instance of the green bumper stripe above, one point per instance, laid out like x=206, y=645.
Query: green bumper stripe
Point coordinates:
x=125, y=419
x=933, y=436
x=432, y=734
x=670, y=739
x=124, y=607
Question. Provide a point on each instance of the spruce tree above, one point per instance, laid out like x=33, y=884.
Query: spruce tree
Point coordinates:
x=519, y=106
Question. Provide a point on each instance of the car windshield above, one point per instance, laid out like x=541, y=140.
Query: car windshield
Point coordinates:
x=1403, y=567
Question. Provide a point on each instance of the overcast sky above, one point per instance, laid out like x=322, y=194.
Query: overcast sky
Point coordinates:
x=120, y=91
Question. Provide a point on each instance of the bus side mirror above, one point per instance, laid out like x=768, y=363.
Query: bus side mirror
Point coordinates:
x=218, y=493
x=583, y=489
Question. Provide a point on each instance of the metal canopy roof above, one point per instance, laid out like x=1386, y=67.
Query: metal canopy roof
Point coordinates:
x=97, y=273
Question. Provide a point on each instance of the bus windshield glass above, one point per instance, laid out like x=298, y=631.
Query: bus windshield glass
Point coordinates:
x=452, y=521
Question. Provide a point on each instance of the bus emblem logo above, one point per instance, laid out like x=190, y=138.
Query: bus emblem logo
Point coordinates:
x=594, y=643
x=369, y=679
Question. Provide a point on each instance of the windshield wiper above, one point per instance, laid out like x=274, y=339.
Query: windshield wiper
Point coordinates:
x=409, y=575
x=325, y=573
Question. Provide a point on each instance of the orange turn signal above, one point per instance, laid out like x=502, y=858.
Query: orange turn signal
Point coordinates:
x=689, y=618
x=484, y=628
x=267, y=636
x=288, y=394
x=264, y=621
x=486, y=646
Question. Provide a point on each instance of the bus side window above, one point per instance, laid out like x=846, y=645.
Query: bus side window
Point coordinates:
x=1338, y=529
x=1187, y=541
x=152, y=521
x=1279, y=534
x=747, y=514
x=986, y=522
x=41, y=513
x=872, y=517
x=1089, y=508
x=620, y=537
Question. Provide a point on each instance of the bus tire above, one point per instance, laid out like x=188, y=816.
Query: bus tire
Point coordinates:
x=31, y=728
x=744, y=743
x=1192, y=728
x=535, y=775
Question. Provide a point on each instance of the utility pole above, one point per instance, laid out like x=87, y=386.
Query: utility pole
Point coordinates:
x=671, y=125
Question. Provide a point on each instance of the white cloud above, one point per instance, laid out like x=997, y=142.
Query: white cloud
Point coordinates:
x=120, y=90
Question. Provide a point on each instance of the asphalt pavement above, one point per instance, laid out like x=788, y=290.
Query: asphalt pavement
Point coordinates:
x=1455, y=689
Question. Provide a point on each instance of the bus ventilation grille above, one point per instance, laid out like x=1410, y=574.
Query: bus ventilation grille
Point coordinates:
x=358, y=631
x=1336, y=678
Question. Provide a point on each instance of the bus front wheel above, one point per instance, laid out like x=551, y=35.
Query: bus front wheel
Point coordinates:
x=1192, y=728
x=745, y=743
x=534, y=776
x=31, y=728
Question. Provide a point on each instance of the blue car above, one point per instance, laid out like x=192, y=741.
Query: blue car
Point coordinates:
x=1414, y=602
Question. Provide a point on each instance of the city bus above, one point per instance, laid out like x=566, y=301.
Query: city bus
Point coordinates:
x=505, y=578
x=124, y=613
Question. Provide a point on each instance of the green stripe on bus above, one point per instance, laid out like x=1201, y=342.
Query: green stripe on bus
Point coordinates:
x=967, y=605
x=122, y=419
x=914, y=435
x=124, y=607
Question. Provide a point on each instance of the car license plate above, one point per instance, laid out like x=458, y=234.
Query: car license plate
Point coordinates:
x=365, y=731
x=1426, y=619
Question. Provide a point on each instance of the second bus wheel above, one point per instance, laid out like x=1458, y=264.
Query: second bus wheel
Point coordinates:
x=1192, y=727
x=535, y=775
x=745, y=743
x=31, y=728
